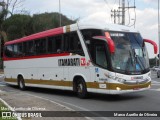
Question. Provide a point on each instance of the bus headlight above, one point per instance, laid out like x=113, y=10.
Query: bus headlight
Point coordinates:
x=118, y=88
x=149, y=86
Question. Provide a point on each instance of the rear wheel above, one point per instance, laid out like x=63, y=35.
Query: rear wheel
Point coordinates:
x=21, y=83
x=158, y=75
x=81, y=89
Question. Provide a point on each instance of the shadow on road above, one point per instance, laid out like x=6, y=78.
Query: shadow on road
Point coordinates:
x=116, y=98
x=101, y=97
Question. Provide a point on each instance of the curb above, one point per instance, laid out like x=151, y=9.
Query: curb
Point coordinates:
x=19, y=118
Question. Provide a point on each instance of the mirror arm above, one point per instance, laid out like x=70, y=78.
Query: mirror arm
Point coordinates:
x=111, y=45
x=153, y=43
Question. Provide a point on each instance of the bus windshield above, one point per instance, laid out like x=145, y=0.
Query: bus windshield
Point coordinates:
x=130, y=56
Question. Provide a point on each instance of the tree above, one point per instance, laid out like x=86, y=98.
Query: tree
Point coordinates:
x=6, y=5
x=18, y=26
x=12, y=5
x=45, y=21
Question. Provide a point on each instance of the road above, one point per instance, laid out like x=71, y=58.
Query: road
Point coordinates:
x=142, y=101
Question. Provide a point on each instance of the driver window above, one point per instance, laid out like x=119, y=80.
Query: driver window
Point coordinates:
x=101, y=55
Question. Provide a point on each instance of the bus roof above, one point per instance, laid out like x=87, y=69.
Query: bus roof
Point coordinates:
x=73, y=27
x=105, y=26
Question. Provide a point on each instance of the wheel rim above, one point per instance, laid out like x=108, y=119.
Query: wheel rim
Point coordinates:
x=80, y=88
x=21, y=84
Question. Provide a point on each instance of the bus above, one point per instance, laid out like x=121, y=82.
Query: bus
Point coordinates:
x=84, y=58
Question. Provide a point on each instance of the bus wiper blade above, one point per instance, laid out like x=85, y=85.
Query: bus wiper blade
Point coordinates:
x=140, y=63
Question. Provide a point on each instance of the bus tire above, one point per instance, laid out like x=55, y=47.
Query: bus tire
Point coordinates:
x=81, y=89
x=21, y=83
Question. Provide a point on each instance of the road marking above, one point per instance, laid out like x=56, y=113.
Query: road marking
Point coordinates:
x=155, y=82
x=155, y=89
x=158, y=89
x=4, y=102
x=59, y=101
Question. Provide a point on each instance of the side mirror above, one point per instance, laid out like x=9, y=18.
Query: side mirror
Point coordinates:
x=110, y=43
x=153, y=43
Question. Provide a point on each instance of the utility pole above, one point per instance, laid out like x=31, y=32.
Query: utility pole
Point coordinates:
x=120, y=13
x=159, y=31
x=60, y=16
x=114, y=15
x=123, y=12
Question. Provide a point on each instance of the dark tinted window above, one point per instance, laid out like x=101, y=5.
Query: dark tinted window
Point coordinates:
x=55, y=44
x=17, y=50
x=9, y=51
x=100, y=55
x=72, y=43
x=40, y=46
x=14, y=51
x=88, y=35
x=28, y=48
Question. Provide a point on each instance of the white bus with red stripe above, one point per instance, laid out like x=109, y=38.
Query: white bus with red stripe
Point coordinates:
x=108, y=59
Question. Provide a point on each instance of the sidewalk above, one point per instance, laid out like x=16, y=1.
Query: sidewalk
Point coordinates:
x=21, y=100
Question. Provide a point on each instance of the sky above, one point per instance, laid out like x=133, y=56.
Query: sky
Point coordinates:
x=99, y=11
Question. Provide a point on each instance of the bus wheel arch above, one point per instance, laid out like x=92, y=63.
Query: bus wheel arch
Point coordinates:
x=21, y=82
x=80, y=87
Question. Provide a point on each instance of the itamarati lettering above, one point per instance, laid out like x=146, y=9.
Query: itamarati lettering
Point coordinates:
x=69, y=62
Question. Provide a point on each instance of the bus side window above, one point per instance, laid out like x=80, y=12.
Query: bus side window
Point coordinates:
x=75, y=44
x=88, y=35
x=17, y=50
x=31, y=49
x=66, y=42
x=25, y=49
x=55, y=44
x=51, y=45
x=9, y=51
x=58, y=42
x=40, y=46
x=43, y=44
x=28, y=48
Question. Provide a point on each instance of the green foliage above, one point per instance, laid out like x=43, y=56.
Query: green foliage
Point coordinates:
x=20, y=25
x=47, y=21
x=17, y=26
x=3, y=13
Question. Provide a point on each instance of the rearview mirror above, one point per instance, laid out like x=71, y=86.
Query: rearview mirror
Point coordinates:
x=153, y=43
x=110, y=42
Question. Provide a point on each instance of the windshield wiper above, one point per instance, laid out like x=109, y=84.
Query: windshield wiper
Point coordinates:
x=140, y=62
x=137, y=60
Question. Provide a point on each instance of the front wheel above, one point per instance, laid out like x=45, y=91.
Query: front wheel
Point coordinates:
x=21, y=83
x=81, y=89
